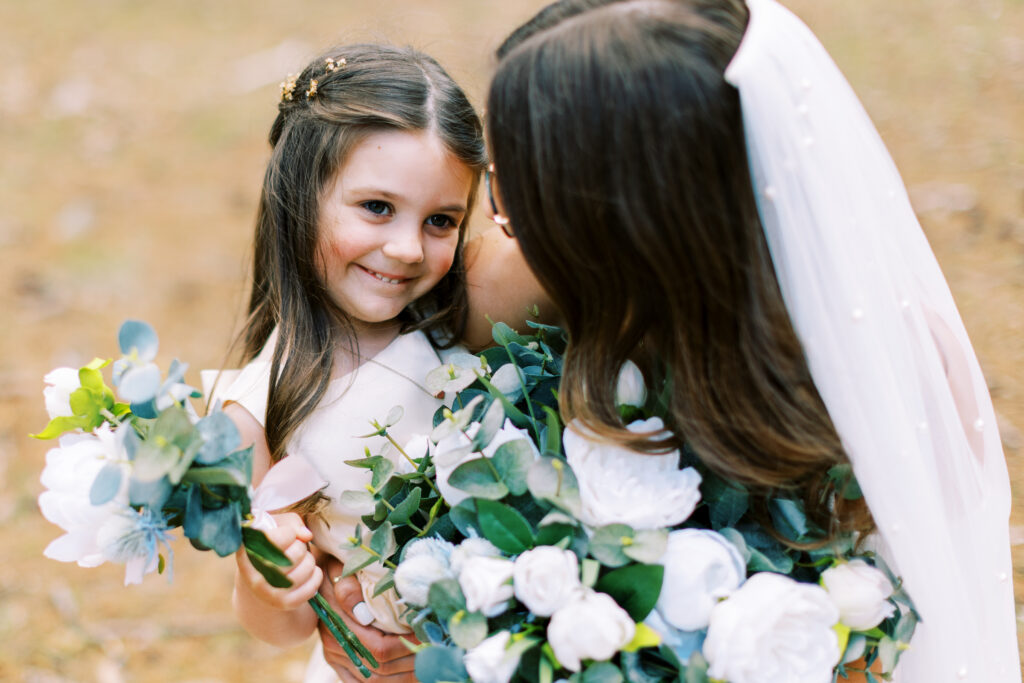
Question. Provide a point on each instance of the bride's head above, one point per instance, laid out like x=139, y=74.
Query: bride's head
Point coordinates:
x=621, y=162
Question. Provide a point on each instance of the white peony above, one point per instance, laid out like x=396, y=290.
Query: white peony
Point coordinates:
x=592, y=627
x=68, y=477
x=773, y=629
x=860, y=592
x=618, y=485
x=487, y=584
x=546, y=578
x=454, y=450
x=416, y=574
x=491, y=661
x=60, y=383
x=701, y=568
x=630, y=389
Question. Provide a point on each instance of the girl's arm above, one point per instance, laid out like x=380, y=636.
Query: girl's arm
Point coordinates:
x=279, y=616
x=501, y=287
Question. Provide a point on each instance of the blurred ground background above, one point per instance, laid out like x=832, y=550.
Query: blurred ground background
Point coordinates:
x=132, y=143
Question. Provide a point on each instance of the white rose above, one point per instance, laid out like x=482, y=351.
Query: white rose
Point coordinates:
x=860, y=592
x=630, y=389
x=472, y=547
x=491, y=661
x=773, y=628
x=487, y=584
x=68, y=477
x=618, y=485
x=60, y=383
x=701, y=568
x=453, y=451
x=546, y=578
x=592, y=627
x=415, y=574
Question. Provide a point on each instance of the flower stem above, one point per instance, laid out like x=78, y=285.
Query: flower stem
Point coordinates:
x=348, y=640
x=411, y=461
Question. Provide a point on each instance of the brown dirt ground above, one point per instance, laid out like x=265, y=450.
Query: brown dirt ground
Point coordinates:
x=133, y=144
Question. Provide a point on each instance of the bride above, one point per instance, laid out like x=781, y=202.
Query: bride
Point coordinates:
x=698, y=189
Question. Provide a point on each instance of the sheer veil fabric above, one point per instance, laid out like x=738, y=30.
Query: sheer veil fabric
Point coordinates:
x=886, y=347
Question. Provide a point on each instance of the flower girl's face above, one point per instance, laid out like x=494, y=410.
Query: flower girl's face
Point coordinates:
x=389, y=222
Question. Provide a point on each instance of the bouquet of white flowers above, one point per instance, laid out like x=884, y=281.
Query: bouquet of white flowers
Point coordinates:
x=128, y=472
x=527, y=551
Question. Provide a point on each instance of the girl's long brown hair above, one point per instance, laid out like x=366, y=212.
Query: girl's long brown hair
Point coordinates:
x=377, y=88
x=621, y=161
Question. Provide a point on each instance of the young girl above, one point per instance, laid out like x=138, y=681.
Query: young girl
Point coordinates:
x=359, y=279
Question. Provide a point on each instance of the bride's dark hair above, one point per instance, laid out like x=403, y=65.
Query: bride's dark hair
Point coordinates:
x=621, y=162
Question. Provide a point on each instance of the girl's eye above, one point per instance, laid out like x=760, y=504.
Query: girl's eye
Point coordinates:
x=440, y=220
x=375, y=206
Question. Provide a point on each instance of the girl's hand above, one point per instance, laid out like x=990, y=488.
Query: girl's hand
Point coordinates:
x=292, y=537
x=397, y=663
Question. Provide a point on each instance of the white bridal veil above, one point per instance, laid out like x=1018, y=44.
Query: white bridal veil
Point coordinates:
x=886, y=347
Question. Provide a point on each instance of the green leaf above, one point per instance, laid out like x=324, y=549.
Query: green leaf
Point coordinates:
x=552, y=479
x=467, y=629
x=553, y=442
x=607, y=543
x=382, y=541
x=504, y=526
x=888, y=653
x=356, y=499
x=513, y=460
x=736, y=538
x=479, y=479
x=382, y=470
x=769, y=561
x=602, y=672
x=221, y=529
x=648, y=545
x=726, y=503
x=257, y=543
x=446, y=599
x=394, y=415
x=789, y=518
x=505, y=335
x=490, y=424
x=61, y=424
x=905, y=627
x=154, y=460
x=438, y=664
x=635, y=588
x=386, y=583
x=696, y=669
x=407, y=508
x=220, y=437
x=358, y=559
x=138, y=337
x=274, y=576
x=214, y=476
x=464, y=517
x=106, y=484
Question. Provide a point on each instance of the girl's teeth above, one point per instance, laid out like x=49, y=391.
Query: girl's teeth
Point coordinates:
x=384, y=279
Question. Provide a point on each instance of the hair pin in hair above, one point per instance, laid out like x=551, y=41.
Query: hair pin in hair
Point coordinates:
x=311, y=93
x=333, y=65
x=288, y=87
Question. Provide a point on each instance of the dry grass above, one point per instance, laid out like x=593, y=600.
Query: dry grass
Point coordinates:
x=133, y=143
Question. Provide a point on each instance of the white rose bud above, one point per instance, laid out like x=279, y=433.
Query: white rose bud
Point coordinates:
x=491, y=661
x=701, y=568
x=630, y=389
x=773, y=624
x=546, y=578
x=487, y=584
x=860, y=592
x=414, y=576
x=472, y=547
x=593, y=627
x=60, y=383
x=620, y=486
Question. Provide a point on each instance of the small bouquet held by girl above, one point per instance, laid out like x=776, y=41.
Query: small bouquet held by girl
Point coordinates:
x=525, y=551
x=132, y=467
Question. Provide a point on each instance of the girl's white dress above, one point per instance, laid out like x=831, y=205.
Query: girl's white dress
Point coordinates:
x=335, y=432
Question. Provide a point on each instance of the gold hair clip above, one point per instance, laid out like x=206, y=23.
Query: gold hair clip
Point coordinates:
x=288, y=87
x=312, y=88
x=335, y=65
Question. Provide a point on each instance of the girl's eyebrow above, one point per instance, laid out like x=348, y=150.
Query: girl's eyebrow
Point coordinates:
x=391, y=196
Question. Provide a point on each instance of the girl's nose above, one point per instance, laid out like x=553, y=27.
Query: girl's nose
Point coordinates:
x=405, y=245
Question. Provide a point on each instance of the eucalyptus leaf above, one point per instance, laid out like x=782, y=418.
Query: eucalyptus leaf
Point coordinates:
x=789, y=518
x=138, y=337
x=214, y=476
x=407, y=508
x=220, y=437
x=855, y=648
x=727, y=503
x=140, y=383
x=356, y=560
x=606, y=545
x=888, y=653
x=274, y=576
x=382, y=540
x=153, y=461
x=552, y=479
x=382, y=471
x=446, y=599
x=479, y=479
x=696, y=669
x=106, y=484
x=513, y=460
x=257, y=543
x=648, y=545
x=145, y=409
x=464, y=517
x=221, y=529
x=490, y=424
x=357, y=500
x=602, y=672
x=151, y=494
x=553, y=441
x=736, y=538
x=467, y=629
x=386, y=583
x=505, y=335
x=394, y=415
x=439, y=664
